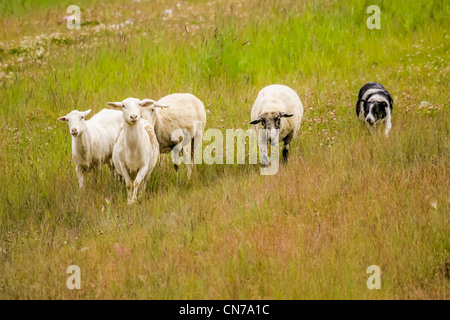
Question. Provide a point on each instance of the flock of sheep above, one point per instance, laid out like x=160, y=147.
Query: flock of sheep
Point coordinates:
x=130, y=136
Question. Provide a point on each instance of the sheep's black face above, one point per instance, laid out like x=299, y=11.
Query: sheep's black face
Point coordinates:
x=374, y=111
x=277, y=122
x=271, y=122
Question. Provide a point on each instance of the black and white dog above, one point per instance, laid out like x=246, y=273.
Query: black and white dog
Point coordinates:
x=374, y=106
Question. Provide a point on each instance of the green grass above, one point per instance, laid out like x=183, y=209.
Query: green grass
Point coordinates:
x=17, y=7
x=345, y=201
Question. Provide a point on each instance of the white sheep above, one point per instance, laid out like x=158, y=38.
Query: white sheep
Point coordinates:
x=136, y=150
x=174, y=112
x=278, y=107
x=92, y=140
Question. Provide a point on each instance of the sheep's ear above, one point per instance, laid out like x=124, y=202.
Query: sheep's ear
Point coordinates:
x=63, y=118
x=286, y=115
x=256, y=121
x=150, y=102
x=147, y=103
x=159, y=105
x=85, y=114
x=115, y=105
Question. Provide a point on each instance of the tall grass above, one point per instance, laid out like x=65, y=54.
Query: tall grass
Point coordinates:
x=345, y=200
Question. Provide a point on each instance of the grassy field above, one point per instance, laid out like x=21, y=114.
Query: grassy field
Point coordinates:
x=346, y=200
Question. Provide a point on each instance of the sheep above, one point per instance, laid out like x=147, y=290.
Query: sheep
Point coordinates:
x=92, y=140
x=277, y=107
x=174, y=112
x=136, y=150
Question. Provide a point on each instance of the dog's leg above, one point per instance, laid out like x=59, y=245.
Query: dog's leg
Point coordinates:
x=372, y=129
x=388, y=128
x=388, y=123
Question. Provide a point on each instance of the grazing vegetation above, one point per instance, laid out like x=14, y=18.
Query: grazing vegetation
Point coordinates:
x=346, y=200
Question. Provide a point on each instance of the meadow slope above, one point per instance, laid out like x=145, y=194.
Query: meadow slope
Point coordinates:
x=346, y=200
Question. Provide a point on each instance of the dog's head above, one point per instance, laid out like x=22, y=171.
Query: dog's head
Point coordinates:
x=374, y=111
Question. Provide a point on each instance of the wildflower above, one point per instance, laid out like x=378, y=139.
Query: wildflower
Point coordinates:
x=433, y=204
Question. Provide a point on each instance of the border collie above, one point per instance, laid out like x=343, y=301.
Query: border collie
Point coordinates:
x=374, y=106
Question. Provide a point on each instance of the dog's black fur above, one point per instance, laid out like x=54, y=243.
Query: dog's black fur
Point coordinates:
x=381, y=112
x=374, y=104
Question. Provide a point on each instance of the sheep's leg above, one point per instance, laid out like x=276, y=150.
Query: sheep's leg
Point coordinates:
x=137, y=182
x=287, y=143
x=129, y=185
x=193, y=150
x=80, y=172
x=186, y=152
x=118, y=174
x=192, y=153
x=285, y=152
x=145, y=180
x=128, y=182
x=190, y=165
x=136, y=185
x=144, y=187
x=112, y=170
x=263, y=148
x=176, y=157
x=117, y=171
x=196, y=143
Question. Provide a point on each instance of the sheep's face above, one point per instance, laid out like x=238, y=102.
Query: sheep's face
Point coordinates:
x=149, y=114
x=131, y=110
x=271, y=122
x=77, y=122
